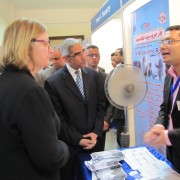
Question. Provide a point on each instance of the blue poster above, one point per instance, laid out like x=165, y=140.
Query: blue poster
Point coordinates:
x=110, y=8
x=148, y=26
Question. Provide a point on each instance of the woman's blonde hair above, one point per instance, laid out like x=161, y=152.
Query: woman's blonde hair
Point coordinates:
x=16, y=46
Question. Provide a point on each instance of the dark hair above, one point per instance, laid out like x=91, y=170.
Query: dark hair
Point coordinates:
x=112, y=54
x=175, y=27
x=120, y=51
x=92, y=46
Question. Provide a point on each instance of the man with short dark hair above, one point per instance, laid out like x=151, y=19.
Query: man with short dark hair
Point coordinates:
x=167, y=128
x=93, y=58
x=119, y=56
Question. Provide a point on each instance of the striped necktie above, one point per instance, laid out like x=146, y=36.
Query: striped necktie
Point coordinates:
x=79, y=83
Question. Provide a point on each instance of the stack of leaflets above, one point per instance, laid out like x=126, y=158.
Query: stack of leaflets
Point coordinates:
x=106, y=165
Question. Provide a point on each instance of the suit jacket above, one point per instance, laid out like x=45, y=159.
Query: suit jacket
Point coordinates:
x=44, y=74
x=173, y=152
x=29, y=126
x=78, y=116
x=102, y=78
x=101, y=69
x=110, y=110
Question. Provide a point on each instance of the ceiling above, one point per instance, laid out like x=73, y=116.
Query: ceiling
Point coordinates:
x=56, y=4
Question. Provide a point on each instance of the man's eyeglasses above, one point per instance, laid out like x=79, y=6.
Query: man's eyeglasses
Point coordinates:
x=46, y=42
x=78, y=54
x=54, y=59
x=93, y=55
x=168, y=42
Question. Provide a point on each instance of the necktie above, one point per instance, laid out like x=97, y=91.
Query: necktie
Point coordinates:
x=79, y=83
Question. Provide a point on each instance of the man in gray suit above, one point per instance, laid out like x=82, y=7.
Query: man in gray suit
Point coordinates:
x=82, y=116
x=57, y=62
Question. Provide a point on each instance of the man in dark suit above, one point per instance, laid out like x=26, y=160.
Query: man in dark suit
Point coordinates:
x=1, y=70
x=167, y=128
x=81, y=112
x=92, y=61
x=118, y=115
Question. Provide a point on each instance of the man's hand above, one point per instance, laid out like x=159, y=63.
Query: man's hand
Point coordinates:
x=88, y=141
x=155, y=137
x=106, y=126
x=160, y=140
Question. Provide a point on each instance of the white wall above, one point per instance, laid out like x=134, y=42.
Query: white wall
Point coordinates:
x=63, y=22
x=108, y=38
x=2, y=29
x=60, y=22
x=7, y=13
x=174, y=12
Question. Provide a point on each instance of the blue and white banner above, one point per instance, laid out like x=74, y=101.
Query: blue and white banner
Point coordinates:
x=148, y=25
x=110, y=8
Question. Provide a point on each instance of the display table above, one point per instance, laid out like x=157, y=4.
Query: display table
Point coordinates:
x=85, y=174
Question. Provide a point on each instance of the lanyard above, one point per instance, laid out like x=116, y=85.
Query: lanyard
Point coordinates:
x=173, y=88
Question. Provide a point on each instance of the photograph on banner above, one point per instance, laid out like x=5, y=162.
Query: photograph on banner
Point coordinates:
x=148, y=24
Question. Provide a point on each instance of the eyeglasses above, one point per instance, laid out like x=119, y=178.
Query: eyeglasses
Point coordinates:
x=78, y=54
x=168, y=42
x=52, y=59
x=46, y=42
x=93, y=55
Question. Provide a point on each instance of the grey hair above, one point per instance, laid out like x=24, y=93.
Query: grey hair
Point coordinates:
x=67, y=45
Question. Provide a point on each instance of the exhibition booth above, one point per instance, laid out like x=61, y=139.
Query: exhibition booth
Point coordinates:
x=136, y=25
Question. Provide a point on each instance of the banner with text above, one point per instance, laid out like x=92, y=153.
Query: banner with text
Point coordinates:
x=109, y=9
x=148, y=25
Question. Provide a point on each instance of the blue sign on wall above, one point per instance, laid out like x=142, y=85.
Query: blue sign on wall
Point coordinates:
x=107, y=11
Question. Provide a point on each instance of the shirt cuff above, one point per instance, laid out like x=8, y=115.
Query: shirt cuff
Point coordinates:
x=167, y=138
x=160, y=125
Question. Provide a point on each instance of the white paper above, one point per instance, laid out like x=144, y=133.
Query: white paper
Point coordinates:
x=149, y=166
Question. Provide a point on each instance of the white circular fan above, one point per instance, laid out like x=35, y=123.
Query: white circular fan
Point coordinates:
x=125, y=86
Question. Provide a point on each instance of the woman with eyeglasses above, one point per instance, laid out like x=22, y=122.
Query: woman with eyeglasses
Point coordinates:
x=29, y=126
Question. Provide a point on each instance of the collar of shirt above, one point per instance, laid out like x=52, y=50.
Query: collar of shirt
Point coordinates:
x=172, y=73
x=72, y=71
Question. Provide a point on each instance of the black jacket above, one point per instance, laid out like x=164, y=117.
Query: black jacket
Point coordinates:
x=78, y=116
x=29, y=127
x=173, y=152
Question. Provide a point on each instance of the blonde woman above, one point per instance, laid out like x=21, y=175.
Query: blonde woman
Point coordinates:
x=29, y=127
